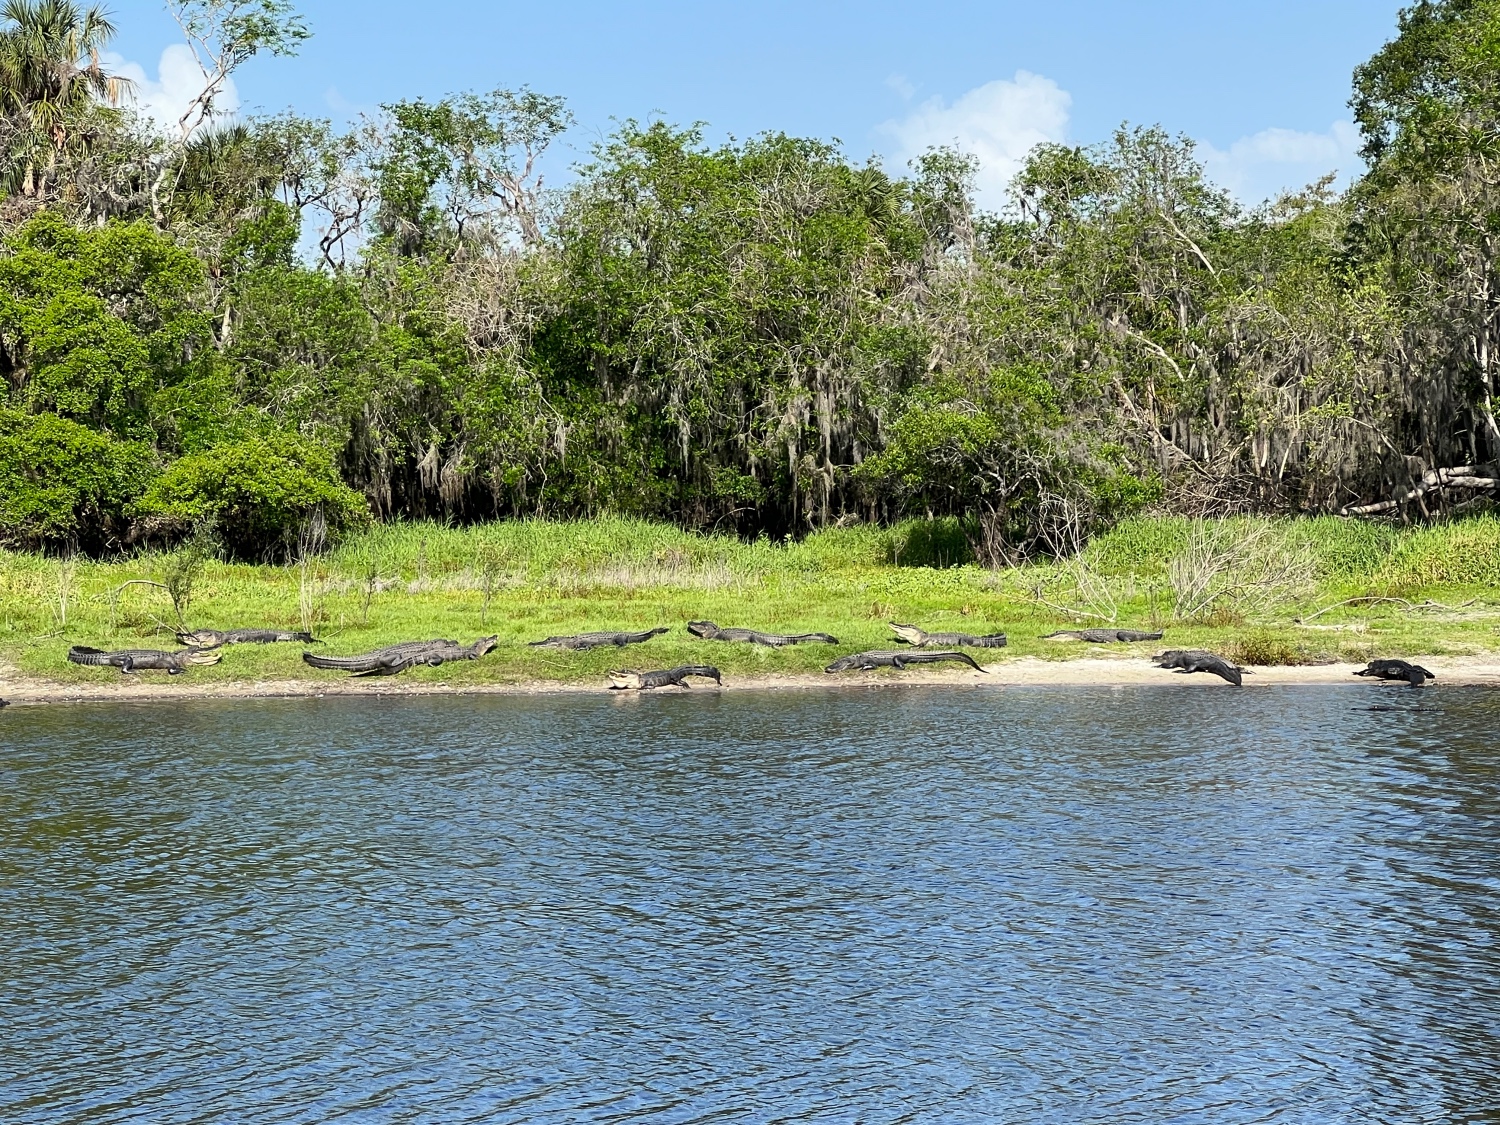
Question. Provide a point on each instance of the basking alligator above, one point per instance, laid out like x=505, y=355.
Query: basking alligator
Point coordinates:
x=137, y=659
x=1413, y=674
x=708, y=631
x=584, y=641
x=395, y=659
x=1196, y=660
x=1102, y=636
x=867, y=661
x=213, y=638
x=920, y=638
x=673, y=677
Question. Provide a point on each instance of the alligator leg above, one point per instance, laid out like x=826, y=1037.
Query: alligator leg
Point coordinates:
x=127, y=666
x=387, y=669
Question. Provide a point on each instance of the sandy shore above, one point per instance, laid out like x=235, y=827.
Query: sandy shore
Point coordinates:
x=1023, y=672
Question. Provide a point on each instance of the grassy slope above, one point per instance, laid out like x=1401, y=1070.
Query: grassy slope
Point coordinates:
x=547, y=578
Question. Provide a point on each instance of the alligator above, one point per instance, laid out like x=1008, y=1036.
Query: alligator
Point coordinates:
x=672, y=677
x=1413, y=674
x=867, y=661
x=137, y=659
x=585, y=641
x=1196, y=660
x=708, y=631
x=920, y=638
x=1102, y=636
x=395, y=659
x=213, y=638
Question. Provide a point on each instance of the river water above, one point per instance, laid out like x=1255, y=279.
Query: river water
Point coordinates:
x=901, y=905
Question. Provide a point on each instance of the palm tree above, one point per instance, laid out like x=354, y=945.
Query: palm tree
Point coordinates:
x=50, y=78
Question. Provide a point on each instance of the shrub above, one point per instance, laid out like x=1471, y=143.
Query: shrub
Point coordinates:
x=1266, y=649
x=939, y=542
x=258, y=493
x=61, y=482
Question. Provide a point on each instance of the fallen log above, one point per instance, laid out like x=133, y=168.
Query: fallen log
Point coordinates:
x=1461, y=476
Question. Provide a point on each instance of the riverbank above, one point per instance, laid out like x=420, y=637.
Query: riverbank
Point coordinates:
x=111, y=687
x=1311, y=599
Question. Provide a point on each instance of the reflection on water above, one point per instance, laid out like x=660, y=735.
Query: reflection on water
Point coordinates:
x=932, y=905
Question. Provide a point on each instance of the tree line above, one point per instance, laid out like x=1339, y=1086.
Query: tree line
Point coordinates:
x=249, y=324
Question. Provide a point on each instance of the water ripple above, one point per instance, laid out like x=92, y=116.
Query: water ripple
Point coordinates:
x=902, y=906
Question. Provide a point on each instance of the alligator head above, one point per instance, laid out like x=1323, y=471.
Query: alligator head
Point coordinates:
x=908, y=633
x=702, y=628
x=621, y=681
x=484, y=645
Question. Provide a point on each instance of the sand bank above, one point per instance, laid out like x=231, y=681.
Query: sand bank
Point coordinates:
x=111, y=686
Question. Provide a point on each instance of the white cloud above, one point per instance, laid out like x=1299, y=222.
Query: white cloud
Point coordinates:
x=999, y=122
x=165, y=98
x=334, y=98
x=1261, y=166
x=901, y=86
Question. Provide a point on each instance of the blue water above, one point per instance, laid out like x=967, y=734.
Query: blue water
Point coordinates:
x=899, y=905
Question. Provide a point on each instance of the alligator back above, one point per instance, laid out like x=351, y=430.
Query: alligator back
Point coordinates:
x=1178, y=657
x=583, y=641
x=387, y=661
x=175, y=661
x=1102, y=636
x=920, y=638
x=866, y=661
x=440, y=654
x=1217, y=665
x=708, y=631
x=1413, y=674
x=213, y=638
x=672, y=677
x=395, y=659
x=138, y=659
x=1200, y=660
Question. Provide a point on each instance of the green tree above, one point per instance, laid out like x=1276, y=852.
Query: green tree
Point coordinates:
x=257, y=493
x=62, y=483
x=94, y=323
x=50, y=81
x=1428, y=104
x=448, y=170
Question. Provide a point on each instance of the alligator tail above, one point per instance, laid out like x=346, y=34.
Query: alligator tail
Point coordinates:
x=962, y=657
x=82, y=654
x=338, y=663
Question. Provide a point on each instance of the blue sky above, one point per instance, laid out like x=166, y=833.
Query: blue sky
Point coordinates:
x=1262, y=86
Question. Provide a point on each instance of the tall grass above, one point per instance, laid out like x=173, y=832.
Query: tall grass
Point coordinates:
x=526, y=579
x=1342, y=550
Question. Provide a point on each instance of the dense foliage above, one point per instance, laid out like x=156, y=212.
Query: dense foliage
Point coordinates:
x=249, y=323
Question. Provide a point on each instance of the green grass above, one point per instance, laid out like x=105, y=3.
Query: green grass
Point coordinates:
x=524, y=580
